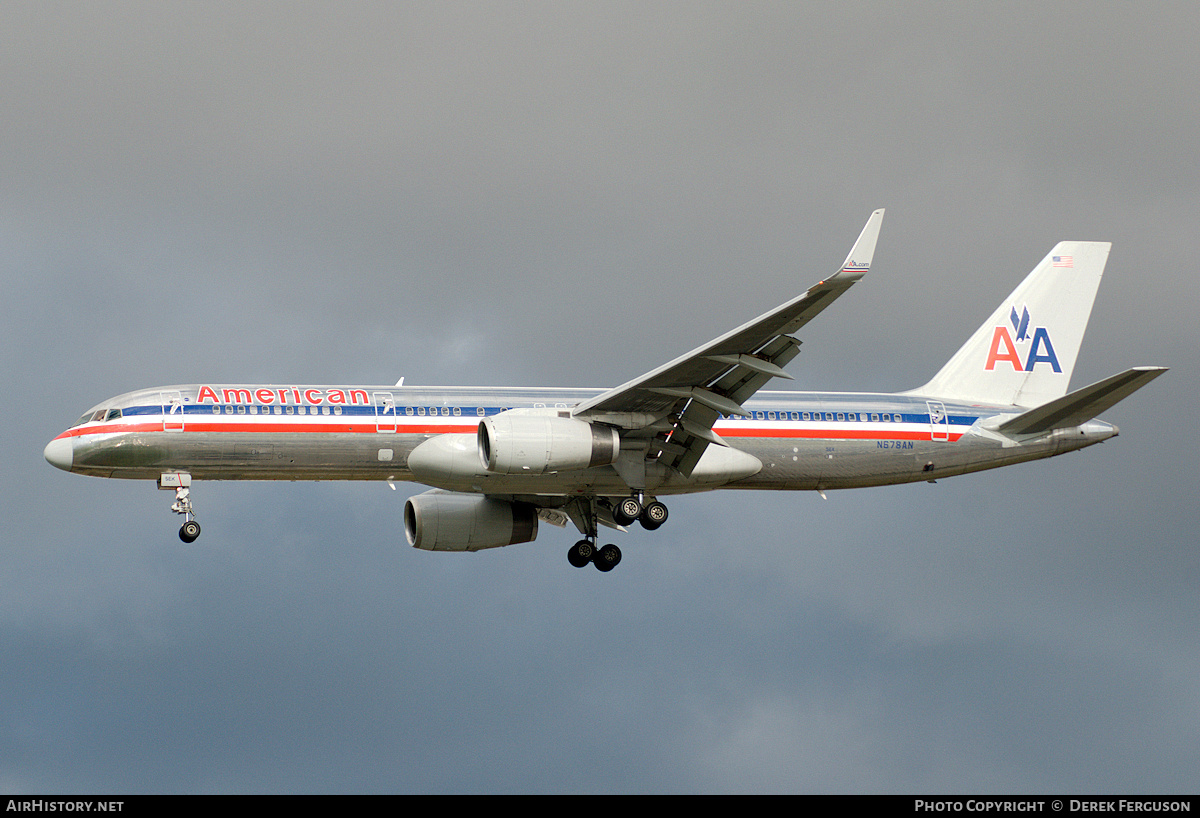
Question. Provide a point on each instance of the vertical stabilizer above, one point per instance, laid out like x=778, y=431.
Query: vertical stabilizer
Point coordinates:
x=1024, y=353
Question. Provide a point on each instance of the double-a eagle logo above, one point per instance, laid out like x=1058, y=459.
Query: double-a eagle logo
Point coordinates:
x=1004, y=349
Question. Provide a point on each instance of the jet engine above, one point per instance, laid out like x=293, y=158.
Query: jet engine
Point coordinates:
x=536, y=444
x=446, y=521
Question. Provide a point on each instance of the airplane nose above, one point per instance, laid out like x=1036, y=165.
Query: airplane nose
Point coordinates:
x=60, y=452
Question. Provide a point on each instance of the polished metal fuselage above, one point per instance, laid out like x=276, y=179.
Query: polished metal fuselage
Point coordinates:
x=804, y=441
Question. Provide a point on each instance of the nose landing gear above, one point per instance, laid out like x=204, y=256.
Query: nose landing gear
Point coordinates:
x=181, y=482
x=189, y=531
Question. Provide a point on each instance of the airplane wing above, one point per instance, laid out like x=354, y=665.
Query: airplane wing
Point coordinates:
x=678, y=403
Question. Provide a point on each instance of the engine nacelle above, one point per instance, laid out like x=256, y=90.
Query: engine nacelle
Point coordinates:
x=446, y=521
x=536, y=444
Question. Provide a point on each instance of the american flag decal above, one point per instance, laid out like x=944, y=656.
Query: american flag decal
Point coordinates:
x=1063, y=261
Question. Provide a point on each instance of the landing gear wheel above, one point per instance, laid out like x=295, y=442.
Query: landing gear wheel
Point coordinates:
x=607, y=558
x=581, y=553
x=653, y=515
x=627, y=511
x=190, y=530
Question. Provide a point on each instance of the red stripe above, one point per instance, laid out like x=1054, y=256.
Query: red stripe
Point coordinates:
x=272, y=427
x=831, y=434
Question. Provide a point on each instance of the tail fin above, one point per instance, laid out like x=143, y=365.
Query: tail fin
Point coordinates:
x=1024, y=353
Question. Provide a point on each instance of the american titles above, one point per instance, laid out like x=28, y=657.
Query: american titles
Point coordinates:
x=295, y=395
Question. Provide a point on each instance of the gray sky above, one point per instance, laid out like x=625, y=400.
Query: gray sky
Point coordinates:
x=571, y=194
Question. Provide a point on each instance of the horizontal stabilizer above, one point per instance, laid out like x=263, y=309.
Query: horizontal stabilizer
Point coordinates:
x=1083, y=404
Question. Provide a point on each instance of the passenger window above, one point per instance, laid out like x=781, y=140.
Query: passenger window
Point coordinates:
x=408, y=410
x=337, y=410
x=841, y=416
x=420, y=410
x=457, y=411
x=241, y=410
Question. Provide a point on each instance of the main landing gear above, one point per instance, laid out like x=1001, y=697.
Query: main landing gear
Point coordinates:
x=651, y=515
x=604, y=558
x=190, y=530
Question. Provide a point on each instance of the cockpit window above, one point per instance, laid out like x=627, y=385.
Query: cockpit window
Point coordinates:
x=97, y=416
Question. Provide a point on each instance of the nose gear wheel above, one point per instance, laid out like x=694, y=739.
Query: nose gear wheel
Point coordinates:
x=190, y=530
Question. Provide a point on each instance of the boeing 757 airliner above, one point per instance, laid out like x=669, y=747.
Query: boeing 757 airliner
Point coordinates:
x=501, y=460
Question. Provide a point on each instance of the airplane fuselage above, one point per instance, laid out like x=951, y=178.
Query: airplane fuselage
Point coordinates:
x=799, y=440
x=499, y=460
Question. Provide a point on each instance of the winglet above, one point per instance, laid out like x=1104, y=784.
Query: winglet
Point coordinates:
x=859, y=261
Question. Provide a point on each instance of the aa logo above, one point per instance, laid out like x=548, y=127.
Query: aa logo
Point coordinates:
x=1004, y=345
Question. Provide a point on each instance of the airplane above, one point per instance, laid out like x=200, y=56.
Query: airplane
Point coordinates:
x=501, y=460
